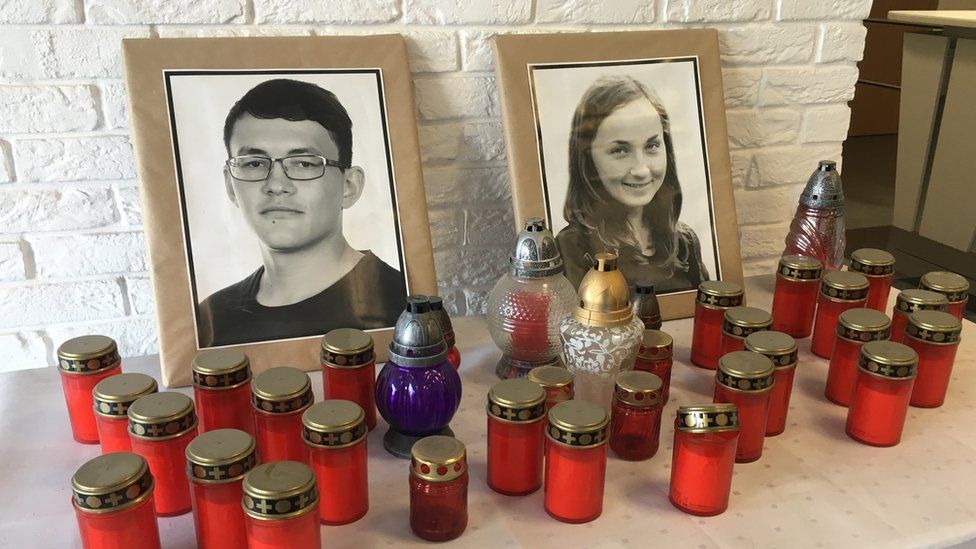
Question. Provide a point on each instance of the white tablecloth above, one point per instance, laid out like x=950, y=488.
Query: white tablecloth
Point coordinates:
x=813, y=487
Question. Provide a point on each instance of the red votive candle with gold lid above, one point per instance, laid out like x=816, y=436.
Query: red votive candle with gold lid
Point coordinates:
x=839, y=291
x=855, y=327
x=278, y=397
x=556, y=381
x=216, y=463
x=781, y=350
x=885, y=377
x=909, y=301
x=281, y=504
x=516, y=424
x=879, y=268
x=576, y=461
x=112, y=495
x=795, y=295
x=934, y=335
x=334, y=432
x=655, y=356
x=951, y=285
x=738, y=323
x=705, y=437
x=82, y=363
x=635, y=416
x=438, y=488
x=349, y=370
x=713, y=299
x=745, y=378
x=222, y=390
x=113, y=396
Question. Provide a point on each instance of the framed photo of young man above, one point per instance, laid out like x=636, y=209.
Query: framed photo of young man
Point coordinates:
x=619, y=140
x=281, y=190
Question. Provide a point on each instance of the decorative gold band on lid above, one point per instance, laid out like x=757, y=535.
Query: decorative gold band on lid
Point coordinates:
x=279, y=490
x=517, y=400
x=655, y=345
x=88, y=354
x=111, y=482
x=220, y=369
x=719, y=294
x=347, y=348
x=951, y=285
x=114, y=394
x=909, y=301
x=578, y=423
x=438, y=458
x=778, y=347
x=861, y=325
x=741, y=321
x=872, y=262
x=281, y=390
x=638, y=388
x=935, y=327
x=334, y=424
x=844, y=286
x=708, y=418
x=161, y=416
x=800, y=268
x=550, y=376
x=745, y=371
x=604, y=296
x=220, y=456
x=888, y=359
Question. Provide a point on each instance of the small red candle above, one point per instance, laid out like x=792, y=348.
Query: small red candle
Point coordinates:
x=349, y=370
x=745, y=378
x=280, y=505
x=738, y=323
x=879, y=267
x=576, y=461
x=278, y=397
x=909, y=301
x=839, y=291
x=855, y=327
x=635, y=415
x=447, y=328
x=216, y=464
x=705, y=438
x=112, y=495
x=951, y=285
x=885, y=377
x=113, y=396
x=161, y=425
x=934, y=335
x=516, y=422
x=795, y=295
x=556, y=381
x=82, y=363
x=781, y=350
x=438, y=488
x=334, y=432
x=222, y=390
x=713, y=299
x=655, y=356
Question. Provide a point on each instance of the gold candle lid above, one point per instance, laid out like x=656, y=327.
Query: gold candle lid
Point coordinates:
x=347, y=348
x=604, y=297
x=741, y=321
x=279, y=490
x=578, y=423
x=872, y=262
x=708, y=418
x=334, y=423
x=936, y=327
x=438, y=458
x=655, y=345
x=778, y=347
x=517, y=400
x=281, y=390
x=161, y=416
x=88, y=354
x=111, y=482
x=220, y=369
x=860, y=325
x=551, y=376
x=909, y=301
x=800, y=268
x=113, y=395
x=719, y=294
x=951, y=285
x=638, y=388
x=220, y=456
x=844, y=286
x=745, y=371
x=888, y=359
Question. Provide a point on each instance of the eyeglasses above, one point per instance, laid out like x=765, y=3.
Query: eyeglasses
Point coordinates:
x=299, y=167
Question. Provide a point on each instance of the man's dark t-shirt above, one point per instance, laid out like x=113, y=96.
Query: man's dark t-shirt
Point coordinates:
x=371, y=295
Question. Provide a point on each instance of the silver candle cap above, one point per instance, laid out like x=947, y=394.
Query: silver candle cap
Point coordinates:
x=824, y=188
x=417, y=336
x=443, y=319
x=536, y=254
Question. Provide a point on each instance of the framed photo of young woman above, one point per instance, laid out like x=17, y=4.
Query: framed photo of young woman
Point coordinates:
x=619, y=140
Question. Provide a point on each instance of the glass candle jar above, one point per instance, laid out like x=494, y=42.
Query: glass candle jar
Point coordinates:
x=635, y=420
x=879, y=268
x=222, y=390
x=516, y=422
x=795, y=295
x=738, y=323
x=713, y=299
x=216, y=463
x=556, y=381
x=334, y=432
x=161, y=425
x=885, y=377
x=278, y=397
x=855, y=327
x=280, y=506
x=113, y=396
x=909, y=301
x=951, y=285
x=646, y=306
x=349, y=370
x=655, y=356
x=781, y=350
x=705, y=437
x=447, y=328
x=576, y=461
x=934, y=336
x=839, y=291
x=745, y=378
x=112, y=495
x=82, y=363
x=438, y=488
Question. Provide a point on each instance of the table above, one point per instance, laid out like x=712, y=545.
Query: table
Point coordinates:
x=813, y=487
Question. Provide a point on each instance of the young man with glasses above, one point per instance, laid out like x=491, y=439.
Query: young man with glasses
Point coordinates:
x=289, y=171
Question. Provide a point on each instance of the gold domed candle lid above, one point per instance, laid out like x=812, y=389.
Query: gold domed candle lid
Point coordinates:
x=604, y=297
x=220, y=369
x=334, y=423
x=438, y=458
x=888, y=359
x=655, y=345
x=860, y=325
x=113, y=395
x=111, y=482
x=517, y=400
x=578, y=423
x=800, y=268
x=936, y=327
x=872, y=262
x=951, y=285
x=161, y=416
x=778, y=347
x=708, y=418
x=347, y=348
x=741, y=321
x=88, y=354
x=550, y=376
x=745, y=371
x=909, y=301
x=281, y=390
x=279, y=490
x=844, y=286
x=220, y=456
x=638, y=388
x=719, y=294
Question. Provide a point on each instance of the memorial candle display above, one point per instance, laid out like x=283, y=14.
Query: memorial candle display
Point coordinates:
x=635, y=420
x=855, y=327
x=738, y=323
x=447, y=328
x=951, y=285
x=713, y=299
x=705, y=437
x=222, y=390
x=438, y=488
x=216, y=463
x=879, y=268
x=82, y=363
x=909, y=301
x=839, y=291
x=781, y=350
x=795, y=295
x=334, y=432
x=516, y=424
x=349, y=370
x=112, y=496
x=112, y=397
x=745, y=378
x=576, y=461
x=885, y=377
x=278, y=397
x=934, y=336
x=655, y=356
x=281, y=503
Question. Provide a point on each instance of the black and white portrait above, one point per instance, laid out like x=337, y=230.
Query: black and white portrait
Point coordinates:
x=625, y=168
x=288, y=201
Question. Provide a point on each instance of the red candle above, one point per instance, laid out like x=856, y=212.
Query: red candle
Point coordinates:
x=82, y=363
x=556, y=381
x=713, y=299
x=516, y=421
x=113, y=396
x=885, y=376
x=349, y=370
x=576, y=461
x=795, y=295
x=738, y=323
x=112, y=495
x=781, y=350
x=278, y=397
x=655, y=356
x=216, y=464
x=879, y=268
x=855, y=327
x=635, y=420
x=222, y=390
x=746, y=379
x=705, y=438
x=334, y=432
x=438, y=488
x=839, y=291
x=447, y=328
x=161, y=425
x=934, y=335
x=909, y=301
x=951, y=285
x=280, y=506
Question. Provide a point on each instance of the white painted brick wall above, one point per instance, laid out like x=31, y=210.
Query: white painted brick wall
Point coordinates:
x=72, y=251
